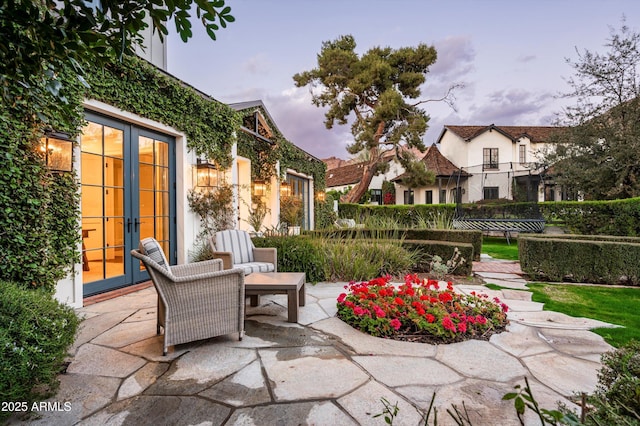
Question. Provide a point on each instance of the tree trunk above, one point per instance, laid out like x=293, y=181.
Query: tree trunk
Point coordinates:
x=354, y=195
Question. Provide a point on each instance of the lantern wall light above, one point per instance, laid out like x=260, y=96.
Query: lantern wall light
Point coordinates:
x=259, y=188
x=285, y=189
x=58, y=150
x=207, y=174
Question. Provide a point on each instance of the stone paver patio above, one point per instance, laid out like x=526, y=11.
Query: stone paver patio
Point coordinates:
x=319, y=371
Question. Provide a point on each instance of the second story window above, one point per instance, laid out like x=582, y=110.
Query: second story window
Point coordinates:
x=522, y=154
x=490, y=158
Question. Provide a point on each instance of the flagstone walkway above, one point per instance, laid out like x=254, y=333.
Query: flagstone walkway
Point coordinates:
x=319, y=371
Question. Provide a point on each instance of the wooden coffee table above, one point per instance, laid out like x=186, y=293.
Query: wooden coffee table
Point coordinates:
x=289, y=283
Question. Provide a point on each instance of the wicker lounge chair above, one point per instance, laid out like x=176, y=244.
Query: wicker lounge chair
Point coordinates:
x=196, y=300
x=236, y=250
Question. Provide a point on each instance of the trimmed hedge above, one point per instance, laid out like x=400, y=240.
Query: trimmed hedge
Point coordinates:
x=610, y=217
x=403, y=213
x=449, y=235
x=581, y=259
x=615, y=217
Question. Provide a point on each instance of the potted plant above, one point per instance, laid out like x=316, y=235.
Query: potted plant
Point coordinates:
x=291, y=212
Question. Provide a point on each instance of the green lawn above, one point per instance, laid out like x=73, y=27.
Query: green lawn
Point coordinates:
x=499, y=249
x=614, y=305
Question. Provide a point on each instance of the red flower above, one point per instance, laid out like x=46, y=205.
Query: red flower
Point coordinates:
x=481, y=320
x=379, y=312
x=448, y=324
x=341, y=297
x=445, y=297
x=430, y=318
x=462, y=327
x=395, y=323
x=398, y=301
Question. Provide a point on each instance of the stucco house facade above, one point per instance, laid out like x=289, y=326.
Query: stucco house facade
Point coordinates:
x=502, y=161
x=449, y=181
x=135, y=175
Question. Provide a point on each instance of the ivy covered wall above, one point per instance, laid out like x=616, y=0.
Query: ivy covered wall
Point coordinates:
x=142, y=89
x=39, y=224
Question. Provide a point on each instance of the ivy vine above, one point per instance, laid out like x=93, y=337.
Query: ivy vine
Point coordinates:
x=138, y=87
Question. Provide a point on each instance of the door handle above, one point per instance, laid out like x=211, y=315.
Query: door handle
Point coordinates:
x=128, y=225
x=136, y=222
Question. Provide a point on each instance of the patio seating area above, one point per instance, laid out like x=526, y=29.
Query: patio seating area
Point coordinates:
x=318, y=370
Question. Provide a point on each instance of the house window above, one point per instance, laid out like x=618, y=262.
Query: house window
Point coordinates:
x=443, y=196
x=428, y=197
x=491, y=193
x=376, y=196
x=408, y=197
x=490, y=158
x=522, y=154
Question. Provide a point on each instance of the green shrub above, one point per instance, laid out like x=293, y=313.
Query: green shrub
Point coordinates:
x=296, y=254
x=446, y=235
x=616, y=400
x=580, y=260
x=35, y=334
x=362, y=259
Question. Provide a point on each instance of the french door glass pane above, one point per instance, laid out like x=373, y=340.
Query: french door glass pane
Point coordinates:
x=153, y=174
x=102, y=185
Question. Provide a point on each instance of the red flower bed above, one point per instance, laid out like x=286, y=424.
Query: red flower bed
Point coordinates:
x=419, y=310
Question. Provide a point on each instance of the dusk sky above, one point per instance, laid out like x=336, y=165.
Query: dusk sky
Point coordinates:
x=509, y=54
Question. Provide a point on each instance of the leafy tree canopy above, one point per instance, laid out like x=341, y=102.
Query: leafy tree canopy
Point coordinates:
x=40, y=38
x=379, y=92
x=599, y=153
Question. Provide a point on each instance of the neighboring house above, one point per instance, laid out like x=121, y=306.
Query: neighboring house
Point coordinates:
x=449, y=182
x=135, y=175
x=501, y=161
x=345, y=177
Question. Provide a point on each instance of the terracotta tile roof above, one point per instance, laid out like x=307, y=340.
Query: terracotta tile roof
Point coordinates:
x=535, y=133
x=346, y=172
x=345, y=175
x=437, y=163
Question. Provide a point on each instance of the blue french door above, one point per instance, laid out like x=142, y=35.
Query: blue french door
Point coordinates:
x=128, y=193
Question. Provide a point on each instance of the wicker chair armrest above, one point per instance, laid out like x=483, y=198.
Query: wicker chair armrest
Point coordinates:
x=208, y=275
x=226, y=257
x=197, y=268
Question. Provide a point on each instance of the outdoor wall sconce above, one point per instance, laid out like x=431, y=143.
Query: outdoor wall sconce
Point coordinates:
x=285, y=189
x=207, y=174
x=58, y=151
x=259, y=188
x=320, y=195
